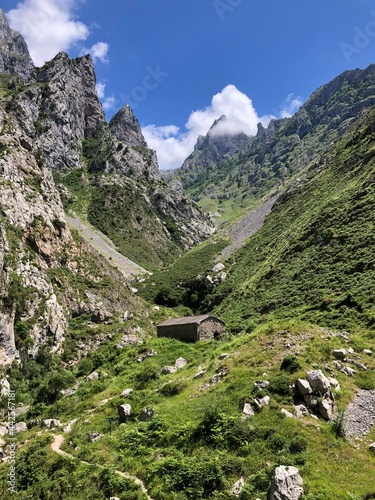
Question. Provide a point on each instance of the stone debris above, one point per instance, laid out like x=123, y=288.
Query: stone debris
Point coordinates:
x=287, y=484
x=94, y=436
x=247, y=411
x=238, y=486
x=339, y=353
x=130, y=339
x=168, y=369
x=302, y=387
x=124, y=412
x=51, y=423
x=348, y=371
x=316, y=394
x=146, y=414
x=361, y=367
x=126, y=393
x=92, y=376
x=259, y=385
x=359, y=417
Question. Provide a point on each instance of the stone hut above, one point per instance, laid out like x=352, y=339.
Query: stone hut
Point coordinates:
x=192, y=328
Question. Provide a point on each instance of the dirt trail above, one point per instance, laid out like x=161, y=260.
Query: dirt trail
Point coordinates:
x=56, y=447
x=105, y=247
x=247, y=226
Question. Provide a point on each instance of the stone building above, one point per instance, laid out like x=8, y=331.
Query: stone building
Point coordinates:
x=192, y=328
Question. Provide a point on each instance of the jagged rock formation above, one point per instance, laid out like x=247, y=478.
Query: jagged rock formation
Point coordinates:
x=52, y=126
x=14, y=54
x=244, y=168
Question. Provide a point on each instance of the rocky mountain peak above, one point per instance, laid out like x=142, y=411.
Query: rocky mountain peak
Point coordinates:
x=14, y=55
x=126, y=128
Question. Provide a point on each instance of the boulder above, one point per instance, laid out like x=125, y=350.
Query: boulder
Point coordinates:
x=20, y=427
x=92, y=376
x=168, y=369
x=51, y=423
x=200, y=374
x=286, y=413
x=319, y=383
x=180, y=363
x=219, y=278
x=259, y=385
x=334, y=384
x=209, y=282
x=238, y=486
x=146, y=414
x=326, y=408
x=348, y=371
x=265, y=401
x=124, y=412
x=301, y=411
x=287, y=484
x=5, y=387
x=94, y=436
x=372, y=447
x=310, y=400
x=367, y=351
x=247, y=411
x=303, y=387
x=218, y=267
x=126, y=393
x=339, y=353
x=223, y=356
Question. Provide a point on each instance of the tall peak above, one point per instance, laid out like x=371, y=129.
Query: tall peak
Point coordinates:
x=126, y=128
x=14, y=54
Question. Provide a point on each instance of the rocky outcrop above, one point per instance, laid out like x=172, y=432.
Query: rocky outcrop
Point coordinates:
x=287, y=484
x=14, y=54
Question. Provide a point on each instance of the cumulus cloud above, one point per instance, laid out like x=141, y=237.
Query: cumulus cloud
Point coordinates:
x=290, y=106
x=173, y=146
x=48, y=26
x=107, y=102
x=99, y=51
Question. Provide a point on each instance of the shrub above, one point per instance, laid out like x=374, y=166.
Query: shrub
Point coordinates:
x=290, y=364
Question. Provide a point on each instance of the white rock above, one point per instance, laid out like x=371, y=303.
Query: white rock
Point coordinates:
x=50, y=423
x=334, y=383
x=124, y=412
x=92, y=376
x=126, y=393
x=199, y=374
x=348, y=371
x=218, y=267
x=20, y=427
x=339, y=353
x=367, y=351
x=372, y=447
x=286, y=413
x=303, y=387
x=180, y=363
x=168, y=369
x=318, y=381
x=287, y=484
x=247, y=411
x=238, y=487
x=223, y=356
x=301, y=411
x=5, y=387
x=261, y=384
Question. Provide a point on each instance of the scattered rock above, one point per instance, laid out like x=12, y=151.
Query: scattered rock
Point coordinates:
x=146, y=414
x=339, y=353
x=351, y=350
x=218, y=267
x=301, y=411
x=126, y=393
x=147, y=354
x=334, y=384
x=326, y=408
x=20, y=427
x=51, y=423
x=199, y=374
x=92, y=376
x=180, y=363
x=223, y=356
x=101, y=316
x=367, y=351
x=372, y=447
x=348, y=371
x=259, y=385
x=156, y=308
x=94, y=436
x=286, y=413
x=287, y=484
x=265, y=401
x=3, y=431
x=358, y=365
x=168, y=369
x=124, y=412
x=319, y=383
x=209, y=282
x=219, y=278
x=303, y=387
x=247, y=411
x=238, y=487
x=114, y=498
x=5, y=387
x=71, y=391
x=337, y=365
x=130, y=339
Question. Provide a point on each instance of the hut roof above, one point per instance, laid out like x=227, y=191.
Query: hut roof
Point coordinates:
x=189, y=320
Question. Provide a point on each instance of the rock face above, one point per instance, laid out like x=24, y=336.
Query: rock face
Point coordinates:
x=14, y=54
x=287, y=484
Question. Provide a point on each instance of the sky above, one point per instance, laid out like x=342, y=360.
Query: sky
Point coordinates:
x=182, y=64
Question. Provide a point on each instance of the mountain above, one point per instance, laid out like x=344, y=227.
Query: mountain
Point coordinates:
x=231, y=177
x=58, y=153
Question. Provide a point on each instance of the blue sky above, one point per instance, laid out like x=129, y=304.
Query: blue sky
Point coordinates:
x=169, y=58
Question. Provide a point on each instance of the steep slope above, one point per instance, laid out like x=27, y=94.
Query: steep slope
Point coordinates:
x=276, y=153
x=314, y=257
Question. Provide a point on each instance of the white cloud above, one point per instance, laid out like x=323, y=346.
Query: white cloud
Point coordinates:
x=290, y=106
x=107, y=102
x=48, y=26
x=99, y=51
x=173, y=147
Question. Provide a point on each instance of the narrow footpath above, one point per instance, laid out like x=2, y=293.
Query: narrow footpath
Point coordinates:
x=56, y=447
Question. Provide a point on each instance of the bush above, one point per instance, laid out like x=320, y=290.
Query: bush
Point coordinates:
x=280, y=384
x=290, y=364
x=173, y=388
